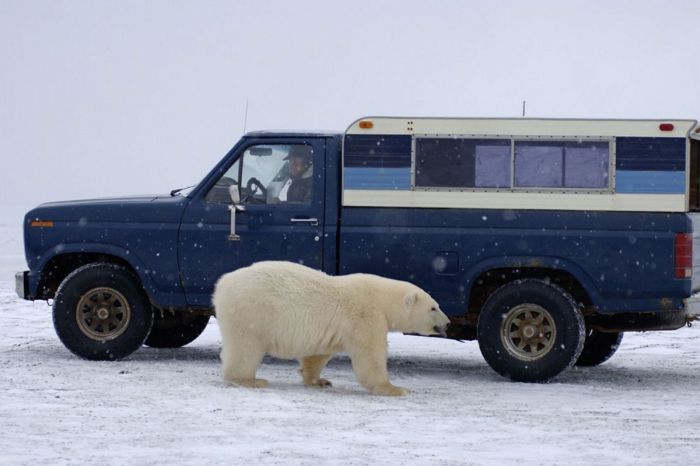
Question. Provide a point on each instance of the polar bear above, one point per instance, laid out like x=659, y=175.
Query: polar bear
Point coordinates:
x=290, y=311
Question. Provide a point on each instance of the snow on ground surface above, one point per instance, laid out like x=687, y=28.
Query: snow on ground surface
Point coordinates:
x=171, y=406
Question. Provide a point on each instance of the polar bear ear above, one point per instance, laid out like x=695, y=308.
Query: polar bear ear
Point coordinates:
x=410, y=300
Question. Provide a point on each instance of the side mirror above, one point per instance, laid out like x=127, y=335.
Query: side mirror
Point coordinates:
x=233, y=208
x=234, y=193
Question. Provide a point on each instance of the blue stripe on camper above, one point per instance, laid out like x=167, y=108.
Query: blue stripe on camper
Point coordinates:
x=380, y=150
x=377, y=178
x=650, y=182
x=650, y=154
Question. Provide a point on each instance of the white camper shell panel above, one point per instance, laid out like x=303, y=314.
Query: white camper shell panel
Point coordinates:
x=518, y=198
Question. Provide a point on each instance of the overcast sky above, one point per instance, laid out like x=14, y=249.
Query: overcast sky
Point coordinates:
x=102, y=98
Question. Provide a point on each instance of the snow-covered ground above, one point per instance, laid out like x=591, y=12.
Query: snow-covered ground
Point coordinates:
x=171, y=406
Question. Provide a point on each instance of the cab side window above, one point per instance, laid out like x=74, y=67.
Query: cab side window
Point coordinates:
x=219, y=193
x=268, y=174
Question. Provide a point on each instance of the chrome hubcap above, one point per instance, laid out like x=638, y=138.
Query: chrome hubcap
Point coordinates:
x=528, y=332
x=103, y=314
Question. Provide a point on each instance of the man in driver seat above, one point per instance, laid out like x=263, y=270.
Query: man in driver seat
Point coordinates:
x=298, y=187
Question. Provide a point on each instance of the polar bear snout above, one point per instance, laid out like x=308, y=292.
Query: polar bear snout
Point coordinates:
x=424, y=314
x=443, y=321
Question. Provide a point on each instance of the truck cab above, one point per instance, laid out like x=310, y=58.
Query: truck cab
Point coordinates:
x=266, y=227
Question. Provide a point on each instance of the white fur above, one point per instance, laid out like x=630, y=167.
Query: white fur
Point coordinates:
x=290, y=311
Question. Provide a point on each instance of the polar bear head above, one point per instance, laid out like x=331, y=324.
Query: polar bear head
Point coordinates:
x=423, y=314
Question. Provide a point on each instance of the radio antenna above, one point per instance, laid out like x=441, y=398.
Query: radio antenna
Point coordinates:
x=245, y=116
x=524, y=102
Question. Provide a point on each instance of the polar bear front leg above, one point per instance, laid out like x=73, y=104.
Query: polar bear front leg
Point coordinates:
x=311, y=368
x=369, y=364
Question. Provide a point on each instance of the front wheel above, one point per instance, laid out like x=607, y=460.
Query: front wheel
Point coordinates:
x=530, y=331
x=101, y=312
x=599, y=347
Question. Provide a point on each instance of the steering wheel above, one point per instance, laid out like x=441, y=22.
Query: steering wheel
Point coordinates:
x=254, y=185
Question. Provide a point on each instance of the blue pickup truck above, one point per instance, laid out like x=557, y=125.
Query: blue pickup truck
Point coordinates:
x=543, y=239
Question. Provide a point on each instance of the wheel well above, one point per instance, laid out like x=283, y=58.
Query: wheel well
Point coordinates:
x=488, y=282
x=464, y=327
x=58, y=268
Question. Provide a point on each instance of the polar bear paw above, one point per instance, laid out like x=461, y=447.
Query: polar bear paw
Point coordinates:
x=390, y=390
x=251, y=383
x=318, y=383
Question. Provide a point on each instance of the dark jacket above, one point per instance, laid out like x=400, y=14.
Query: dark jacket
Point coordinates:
x=300, y=190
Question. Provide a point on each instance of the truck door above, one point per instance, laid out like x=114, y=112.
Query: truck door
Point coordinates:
x=281, y=185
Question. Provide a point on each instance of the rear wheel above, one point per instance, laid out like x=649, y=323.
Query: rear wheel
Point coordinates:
x=101, y=312
x=530, y=331
x=599, y=347
x=175, y=329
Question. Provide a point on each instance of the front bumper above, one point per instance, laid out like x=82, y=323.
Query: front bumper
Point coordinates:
x=22, y=284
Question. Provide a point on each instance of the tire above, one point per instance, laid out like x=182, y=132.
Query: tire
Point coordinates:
x=598, y=347
x=175, y=329
x=101, y=312
x=530, y=331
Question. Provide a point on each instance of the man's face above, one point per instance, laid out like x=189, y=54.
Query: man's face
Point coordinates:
x=297, y=166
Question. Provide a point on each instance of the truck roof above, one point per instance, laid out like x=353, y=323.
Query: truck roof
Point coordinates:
x=292, y=133
x=514, y=125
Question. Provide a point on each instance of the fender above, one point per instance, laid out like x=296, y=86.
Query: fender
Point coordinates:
x=155, y=294
x=547, y=262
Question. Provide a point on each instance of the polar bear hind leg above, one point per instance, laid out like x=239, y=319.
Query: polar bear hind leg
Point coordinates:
x=241, y=361
x=311, y=368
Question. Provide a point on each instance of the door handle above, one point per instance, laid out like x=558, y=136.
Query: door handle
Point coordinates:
x=309, y=220
x=232, y=236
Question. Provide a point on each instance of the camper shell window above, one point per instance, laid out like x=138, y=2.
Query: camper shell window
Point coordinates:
x=556, y=164
x=462, y=163
x=499, y=163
